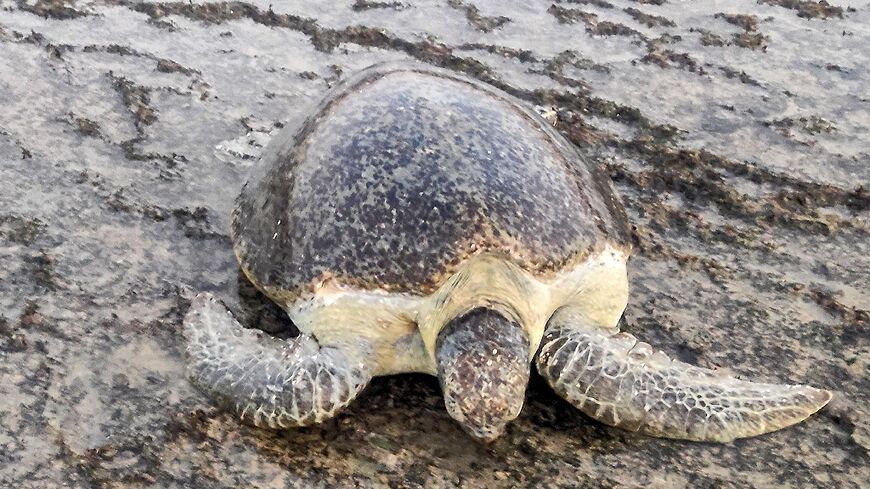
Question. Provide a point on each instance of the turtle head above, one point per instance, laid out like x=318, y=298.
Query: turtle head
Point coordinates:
x=483, y=366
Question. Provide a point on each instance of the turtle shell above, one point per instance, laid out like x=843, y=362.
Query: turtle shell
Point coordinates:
x=404, y=171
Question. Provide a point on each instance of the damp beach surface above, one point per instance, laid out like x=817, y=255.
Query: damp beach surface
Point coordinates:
x=737, y=133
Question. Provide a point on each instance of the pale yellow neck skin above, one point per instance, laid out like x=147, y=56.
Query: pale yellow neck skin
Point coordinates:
x=403, y=328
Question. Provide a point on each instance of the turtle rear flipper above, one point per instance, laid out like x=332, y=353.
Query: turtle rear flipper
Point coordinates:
x=269, y=382
x=620, y=381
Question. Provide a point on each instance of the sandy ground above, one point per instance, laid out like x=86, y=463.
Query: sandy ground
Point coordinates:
x=738, y=134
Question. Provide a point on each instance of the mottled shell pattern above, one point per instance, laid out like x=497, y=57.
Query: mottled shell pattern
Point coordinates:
x=402, y=173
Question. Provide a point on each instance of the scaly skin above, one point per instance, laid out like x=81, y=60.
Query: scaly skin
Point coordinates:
x=269, y=382
x=617, y=380
x=483, y=365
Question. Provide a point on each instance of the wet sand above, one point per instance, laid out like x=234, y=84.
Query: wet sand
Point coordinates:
x=737, y=133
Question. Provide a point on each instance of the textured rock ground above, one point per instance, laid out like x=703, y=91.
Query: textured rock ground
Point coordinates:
x=737, y=133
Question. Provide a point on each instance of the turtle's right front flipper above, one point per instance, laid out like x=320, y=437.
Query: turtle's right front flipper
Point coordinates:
x=619, y=381
x=269, y=382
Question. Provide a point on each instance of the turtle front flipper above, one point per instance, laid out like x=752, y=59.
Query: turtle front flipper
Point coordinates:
x=621, y=382
x=269, y=382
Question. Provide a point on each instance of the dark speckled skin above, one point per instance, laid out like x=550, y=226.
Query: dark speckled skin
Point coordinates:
x=402, y=172
x=483, y=365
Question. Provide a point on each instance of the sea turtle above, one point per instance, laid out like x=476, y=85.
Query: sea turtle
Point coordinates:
x=421, y=221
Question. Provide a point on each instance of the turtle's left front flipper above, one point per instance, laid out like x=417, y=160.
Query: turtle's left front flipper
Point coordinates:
x=620, y=381
x=270, y=382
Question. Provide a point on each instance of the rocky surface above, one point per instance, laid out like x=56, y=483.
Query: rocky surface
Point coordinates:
x=736, y=132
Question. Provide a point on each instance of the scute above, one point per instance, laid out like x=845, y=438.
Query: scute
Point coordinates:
x=401, y=173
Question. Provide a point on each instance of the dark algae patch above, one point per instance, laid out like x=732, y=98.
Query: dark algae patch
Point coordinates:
x=749, y=38
x=648, y=19
x=54, y=9
x=710, y=39
x=480, y=22
x=19, y=229
x=169, y=66
x=748, y=23
x=361, y=5
x=737, y=141
x=808, y=8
